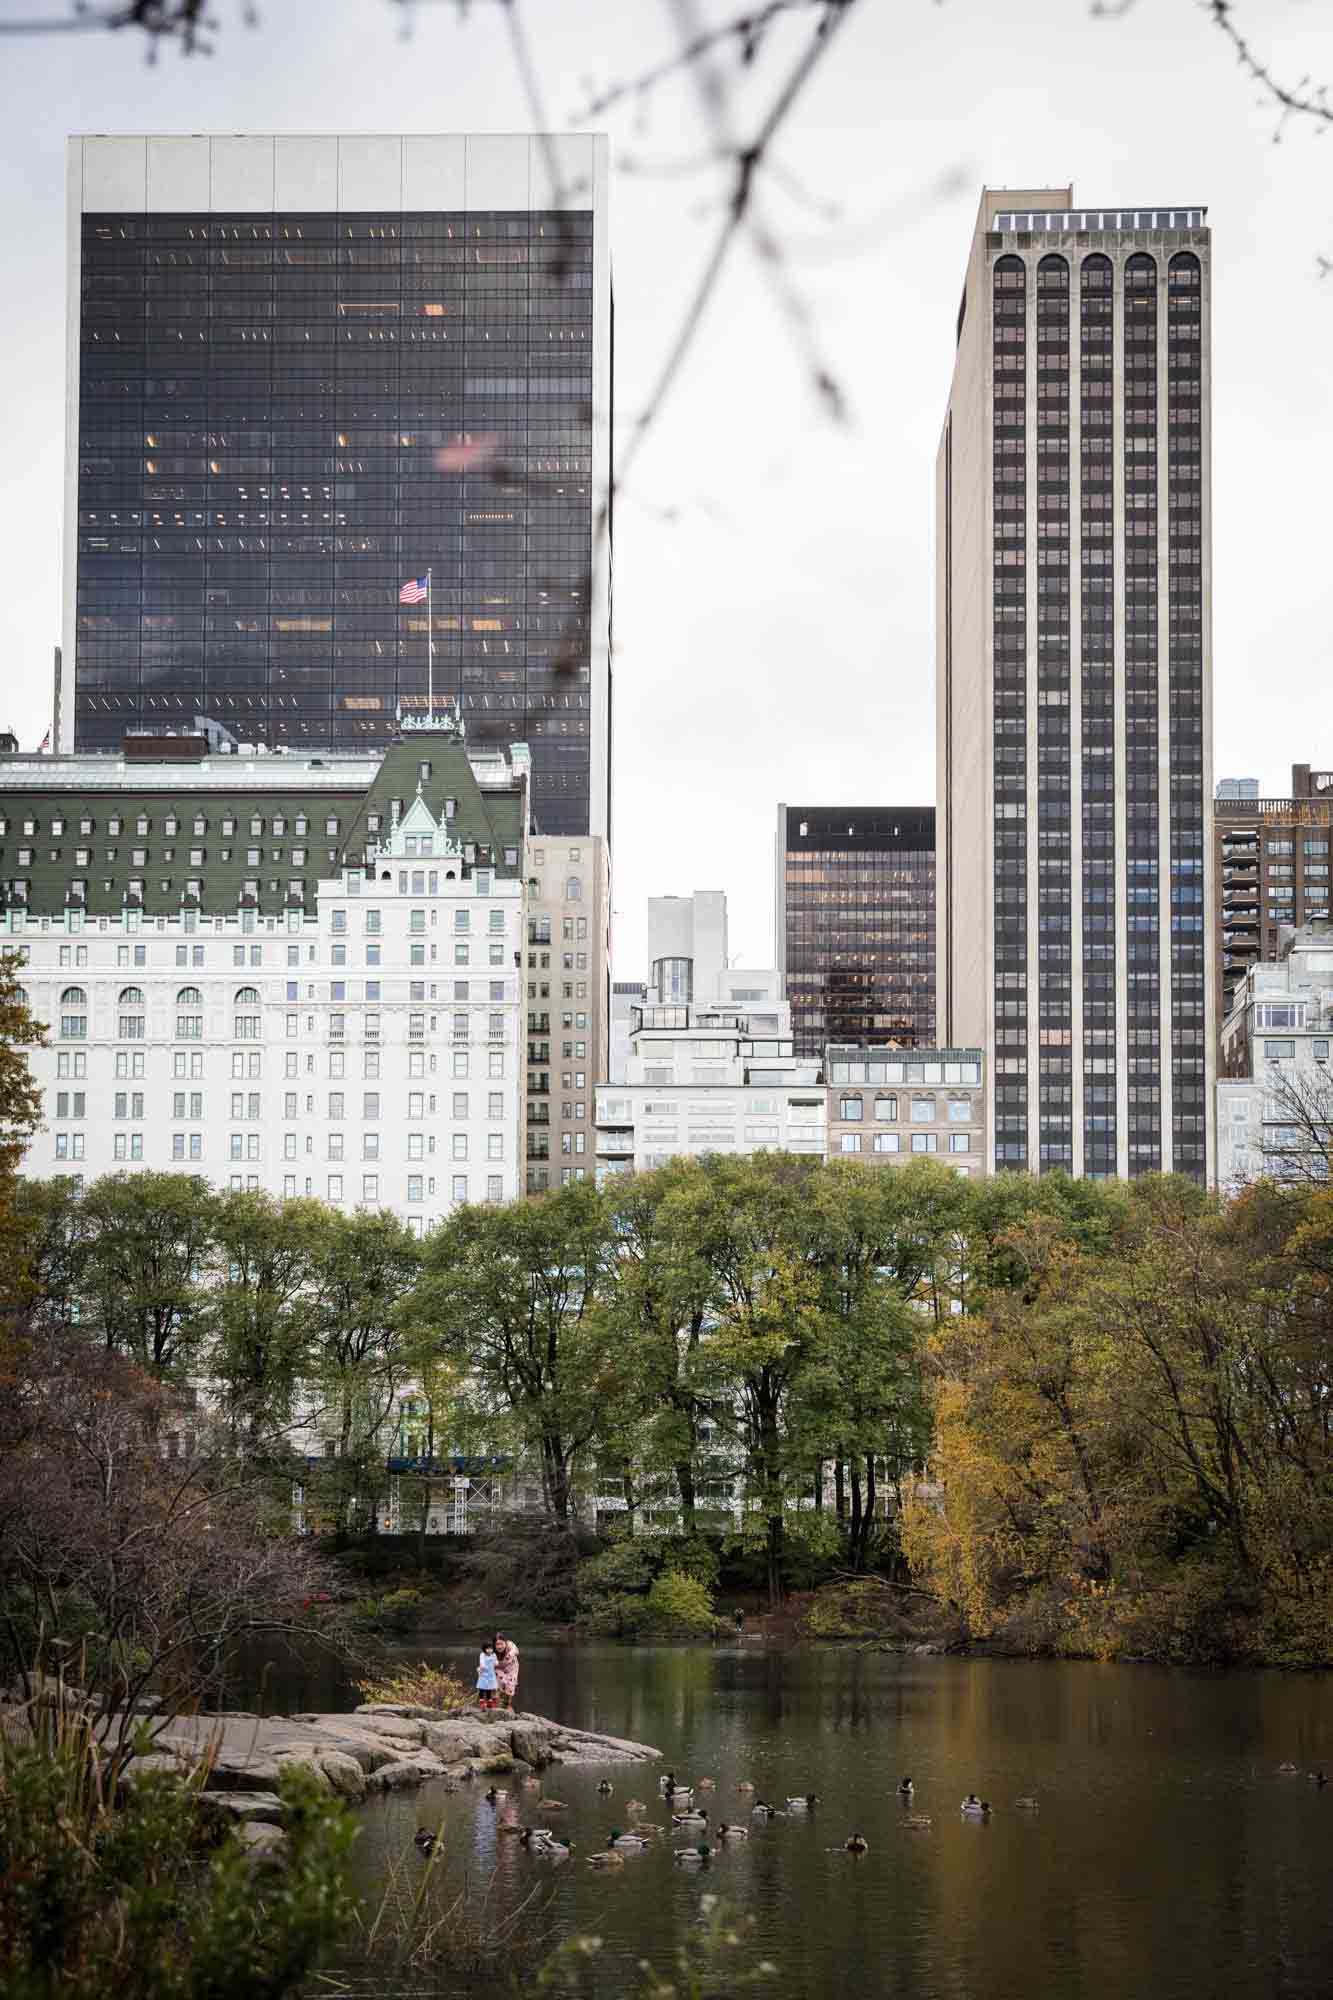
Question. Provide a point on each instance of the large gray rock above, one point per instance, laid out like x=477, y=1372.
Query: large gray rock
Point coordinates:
x=403, y=1773
x=343, y=1773
x=267, y=1844
x=243, y=1808
x=455, y=1740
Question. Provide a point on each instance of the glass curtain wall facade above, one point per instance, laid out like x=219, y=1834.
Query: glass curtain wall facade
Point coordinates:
x=285, y=416
x=1076, y=831
x=856, y=924
x=283, y=420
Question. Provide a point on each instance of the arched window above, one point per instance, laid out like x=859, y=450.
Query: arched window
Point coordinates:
x=574, y=889
x=886, y=1105
x=1184, y=274
x=247, y=996
x=189, y=1026
x=246, y=1026
x=1053, y=274
x=850, y=1106
x=130, y=1024
x=1095, y=273
x=74, y=1014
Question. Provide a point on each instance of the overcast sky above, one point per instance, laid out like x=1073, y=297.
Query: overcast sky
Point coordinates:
x=774, y=573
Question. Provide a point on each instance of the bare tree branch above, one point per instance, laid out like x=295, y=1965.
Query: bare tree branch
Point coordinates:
x=1304, y=99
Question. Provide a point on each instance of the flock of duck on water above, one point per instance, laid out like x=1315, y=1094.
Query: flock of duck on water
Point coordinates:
x=690, y=1819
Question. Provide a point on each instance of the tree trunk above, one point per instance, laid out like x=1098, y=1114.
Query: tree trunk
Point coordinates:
x=685, y=1488
x=818, y=1493
x=854, y=1531
x=839, y=1490
x=775, y=1543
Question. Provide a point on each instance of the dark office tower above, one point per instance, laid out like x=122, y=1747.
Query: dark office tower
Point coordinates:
x=1074, y=685
x=304, y=372
x=856, y=924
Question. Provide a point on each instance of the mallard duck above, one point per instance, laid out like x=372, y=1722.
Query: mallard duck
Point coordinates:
x=535, y=1836
x=552, y=1805
x=493, y=1797
x=628, y=1843
x=692, y=1818
x=1287, y=1770
x=556, y=1850
x=745, y=1786
x=806, y=1803
x=424, y=1839
x=856, y=1843
x=606, y=1788
x=762, y=1810
x=975, y=1808
x=606, y=1857
x=726, y=1832
x=511, y=1826
x=708, y=1784
x=680, y=1794
x=692, y=1857
x=1026, y=1805
x=905, y=1788
x=667, y=1782
x=1319, y=1778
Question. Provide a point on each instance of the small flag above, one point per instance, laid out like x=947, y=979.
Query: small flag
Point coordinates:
x=413, y=591
x=44, y=745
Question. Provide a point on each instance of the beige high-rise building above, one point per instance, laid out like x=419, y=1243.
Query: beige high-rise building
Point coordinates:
x=1074, y=691
x=568, y=952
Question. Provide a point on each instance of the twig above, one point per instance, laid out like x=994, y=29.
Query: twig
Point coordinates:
x=1305, y=99
x=747, y=32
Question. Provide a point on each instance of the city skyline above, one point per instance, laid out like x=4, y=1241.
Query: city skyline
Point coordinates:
x=731, y=577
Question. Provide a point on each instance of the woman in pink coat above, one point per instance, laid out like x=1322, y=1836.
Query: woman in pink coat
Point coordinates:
x=506, y=1669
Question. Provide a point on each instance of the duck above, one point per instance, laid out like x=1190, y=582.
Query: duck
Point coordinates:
x=667, y=1782
x=606, y=1857
x=535, y=1836
x=552, y=1805
x=856, y=1843
x=805, y=1803
x=692, y=1857
x=726, y=1832
x=762, y=1810
x=511, y=1826
x=905, y=1788
x=681, y=1793
x=692, y=1818
x=708, y=1784
x=1319, y=1778
x=556, y=1850
x=745, y=1786
x=975, y=1808
x=1026, y=1805
x=627, y=1843
x=635, y=1805
x=606, y=1788
x=425, y=1840
x=493, y=1797
x=1287, y=1770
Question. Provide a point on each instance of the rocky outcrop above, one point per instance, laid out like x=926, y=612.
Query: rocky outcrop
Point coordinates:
x=379, y=1747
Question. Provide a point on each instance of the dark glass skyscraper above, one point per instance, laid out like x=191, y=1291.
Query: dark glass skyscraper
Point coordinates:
x=306, y=372
x=1074, y=684
x=856, y=923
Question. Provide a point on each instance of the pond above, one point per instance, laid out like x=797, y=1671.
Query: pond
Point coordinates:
x=1168, y=1854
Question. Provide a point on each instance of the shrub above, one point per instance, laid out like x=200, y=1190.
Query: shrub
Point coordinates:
x=627, y=1565
x=105, y=1889
x=420, y=1686
x=676, y=1599
x=397, y=1612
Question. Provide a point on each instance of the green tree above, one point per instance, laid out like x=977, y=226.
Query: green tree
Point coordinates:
x=147, y=1241
x=515, y=1295
x=20, y=1097
x=364, y=1268
x=263, y=1306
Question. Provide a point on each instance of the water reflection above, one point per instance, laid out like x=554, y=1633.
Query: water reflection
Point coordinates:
x=1167, y=1857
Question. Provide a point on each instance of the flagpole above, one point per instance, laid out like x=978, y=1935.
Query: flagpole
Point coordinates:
x=430, y=651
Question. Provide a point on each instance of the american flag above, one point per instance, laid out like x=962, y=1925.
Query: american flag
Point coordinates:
x=413, y=591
